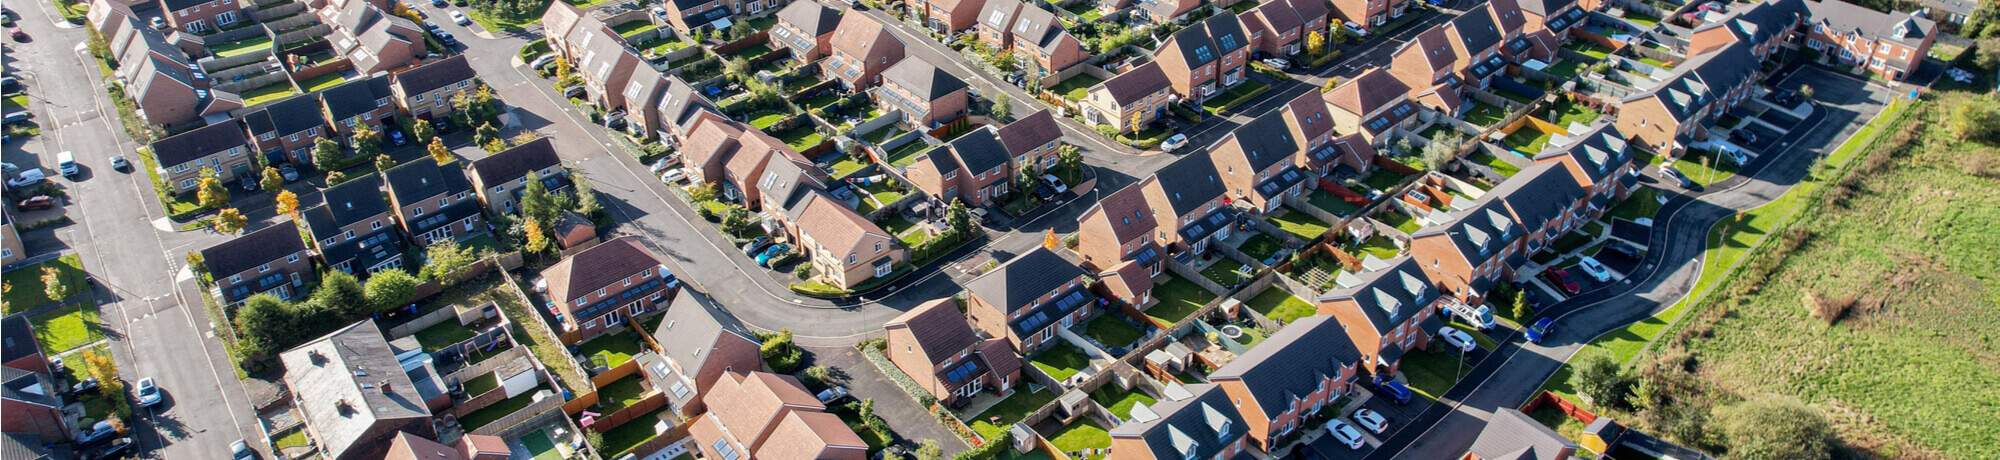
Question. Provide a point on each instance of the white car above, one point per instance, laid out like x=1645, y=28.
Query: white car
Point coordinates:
x=1054, y=183
x=149, y=392
x=674, y=176
x=1277, y=63
x=1481, y=318
x=1370, y=420
x=1458, y=339
x=1595, y=269
x=459, y=18
x=1174, y=143
x=1346, y=434
x=27, y=178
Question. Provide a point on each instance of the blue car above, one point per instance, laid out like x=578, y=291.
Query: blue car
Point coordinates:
x=777, y=250
x=1541, y=330
x=1392, y=389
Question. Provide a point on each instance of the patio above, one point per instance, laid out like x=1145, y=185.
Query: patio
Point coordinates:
x=1178, y=298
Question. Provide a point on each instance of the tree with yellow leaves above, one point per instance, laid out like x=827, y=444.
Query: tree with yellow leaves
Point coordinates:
x=211, y=194
x=1315, y=43
x=538, y=238
x=439, y=152
x=230, y=221
x=288, y=203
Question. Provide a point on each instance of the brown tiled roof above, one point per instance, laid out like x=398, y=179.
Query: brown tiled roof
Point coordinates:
x=712, y=138
x=1131, y=86
x=1368, y=92
x=1309, y=10
x=835, y=226
x=1435, y=45
x=747, y=404
x=808, y=435
x=559, y=19
x=860, y=36
x=1442, y=96
x=412, y=447
x=1128, y=280
x=999, y=356
x=482, y=447
x=1276, y=15
x=1030, y=132
x=939, y=328
x=1308, y=113
x=598, y=267
x=1128, y=203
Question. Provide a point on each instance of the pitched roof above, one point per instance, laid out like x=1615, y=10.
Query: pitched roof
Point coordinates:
x=1435, y=45
x=19, y=337
x=348, y=381
x=1307, y=113
x=998, y=15
x=859, y=35
x=1388, y=296
x=809, y=435
x=1200, y=426
x=412, y=447
x=424, y=178
x=349, y=202
x=1371, y=91
x=810, y=17
x=1277, y=15
x=789, y=181
x=354, y=97
x=1030, y=132
x=1128, y=280
x=1196, y=49
x=980, y=150
x=1703, y=78
x=1034, y=24
x=1137, y=84
x=747, y=404
x=1263, y=142
x=290, y=115
x=1189, y=182
x=1309, y=10
x=1127, y=211
x=680, y=102
x=1292, y=362
x=1538, y=194
x=694, y=328
x=1475, y=29
x=516, y=161
x=921, y=78
x=1016, y=284
x=836, y=227
x=598, y=267
x=1544, y=8
x=1480, y=231
x=558, y=19
x=197, y=143
x=1599, y=153
x=1905, y=28
x=29, y=387
x=253, y=249
x=939, y=329
x=1762, y=21
x=1512, y=435
x=24, y=446
x=1226, y=31
x=436, y=74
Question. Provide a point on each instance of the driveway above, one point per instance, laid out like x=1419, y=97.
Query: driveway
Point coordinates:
x=911, y=422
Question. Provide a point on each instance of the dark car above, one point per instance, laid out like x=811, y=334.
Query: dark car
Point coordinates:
x=439, y=3
x=38, y=202
x=1562, y=280
x=1392, y=389
x=397, y=138
x=446, y=39
x=119, y=448
x=1541, y=330
x=100, y=432
x=1744, y=137
x=1044, y=193
x=443, y=125
x=1786, y=98
x=87, y=385
x=432, y=27
x=574, y=92
x=756, y=244
x=1677, y=176
x=1625, y=249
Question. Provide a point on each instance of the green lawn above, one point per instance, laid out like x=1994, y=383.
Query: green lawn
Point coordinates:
x=321, y=82
x=1484, y=114
x=1261, y=247
x=620, y=394
x=1178, y=299
x=610, y=350
x=1567, y=70
x=241, y=47
x=69, y=327
x=1498, y=165
x=1571, y=112
x=1084, y=434
x=1223, y=271
x=1077, y=87
x=1331, y=203
x=1111, y=330
x=1062, y=361
x=995, y=420
x=629, y=28
x=1085, y=10
x=883, y=192
x=1705, y=168
x=443, y=334
x=1656, y=63
x=1280, y=305
x=25, y=290
x=1378, y=246
x=824, y=99
x=661, y=46
x=1589, y=49
x=1402, y=222
x=504, y=22
x=1300, y=225
x=1383, y=180
x=1238, y=95
x=765, y=120
x=540, y=448
x=482, y=384
x=751, y=51
x=801, y=137
x=496, y=411
x=1120, y=401
x=1643, y=20
x=847, y=165
x=292, y=438
x=850, y=415
x=1642, y=203
x=1526, y=140
x=1430, y=373
x=634, y=432
x=906, y=154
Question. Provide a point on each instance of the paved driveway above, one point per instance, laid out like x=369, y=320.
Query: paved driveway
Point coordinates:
x=911, y=422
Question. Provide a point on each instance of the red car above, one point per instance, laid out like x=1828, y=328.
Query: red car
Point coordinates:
x=1562, y=280
x=40, y=202
x=18, y=35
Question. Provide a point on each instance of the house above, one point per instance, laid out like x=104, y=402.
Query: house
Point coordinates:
x=607, y=64
x=370, y=38
x=747, y=412
x=352, y=394
x=1130, y=281
x=561, y=20
x=1476, y=38
x=273, y=260
x=862, y=49
x=684, y=16
x=1310, y=123
x=1551, y=20
x=222, y=147
x=31, y=404
x=1952, y=11
x=928, y=96
x=1473, y=248
x=606, y=286
x=933, y=345
x=1202, y=423
x=1129, y=101
x=1258, y=163
x=1281, y=27
x=23, y=446
x=354, y=229
x=500, y=178
x=1766, y=25
x=1427, y=60
x=1668, y=118
x=1890, y=45
x=1044, y=46
x=1121, y=228
x=1026, y=299
x=1181, y=207
x=784, y=185
x=733, y=156
x=1385, y=312
x=1366, y=15
x=807, y=29
x=642, y=94
x=1373, y=105
x=1512, y=435
x=996, y=22
x=11, y=249
x=366, y=101
x=844, y=248
x=1163, y=11
x=1033, y=140
x=699, y=343
x=1289, y=377
x=947, y=16
x=434, y=202
x=159, y=79
x=973, y=169
x=1206, y=58
x=408, y=446
x=285, y=130
x=201, y=17
x=426, y=92
x=678, y=107
x=1600, y=161
x=20, y=349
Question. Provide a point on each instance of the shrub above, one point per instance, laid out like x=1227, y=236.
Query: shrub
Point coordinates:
x=992, y=448
x=1774, y=428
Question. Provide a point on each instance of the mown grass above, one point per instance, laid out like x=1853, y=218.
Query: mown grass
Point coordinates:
x=1299, y=224
x=69, y=327
x=995, y=420
x=1062, y=361
x=1281, y=305
x=1178, y=299
x=1120, y=401
x=25, y=290
x=1084, y=434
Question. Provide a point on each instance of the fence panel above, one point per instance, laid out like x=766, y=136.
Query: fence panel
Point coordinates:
x=549, y=402
x=1193, y=275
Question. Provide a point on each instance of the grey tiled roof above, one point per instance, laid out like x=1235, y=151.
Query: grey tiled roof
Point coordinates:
x=1292, y=362
x=1197, y=427
x=1391, y=295
x=253, y=249
x=1019, y=282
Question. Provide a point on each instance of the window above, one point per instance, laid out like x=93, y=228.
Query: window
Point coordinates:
x=294, y=258
x=878, y=247
x=376, y=225
x=442, y=202
x=264, y=268
x=186, y=183
x=235, y=278
x=420, y=98
x=850, y=259
x=420, y=210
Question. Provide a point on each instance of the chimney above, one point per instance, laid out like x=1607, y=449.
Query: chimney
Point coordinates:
x=385, y=386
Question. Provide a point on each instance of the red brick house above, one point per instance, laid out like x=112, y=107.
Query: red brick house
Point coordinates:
x=434, y=203
x=928, y=96
x=1385, y=312
x=699, y=343
x=996, y=22
x=1033, y=141
x=844, y=248
x=367, y=101
x=1310, y=124
x=807, y=29
x=370, y=38
x=1366, y=15
x=862, y=49
x=499, y=178
x=426, y=91
x=1257, y=163
x=1044, y=46
x=760, y=415
x=1201, y=424
x=1290, y=376
x=1181, y=207
x=1600, y=161
x=946, y=16
x=606, y=286
x=201, y=16
x=272, y=260
x=1892, y=45
x=1119, y=228
x=31, y=404
x=974, y=169
x=1206, y=58
x=1512, y=435
x=933, y=345
x=1675, y=115
x=1025, y=299
x=20, y=349
x=1372, y=105
x=1163, y=11
x=1129, y=101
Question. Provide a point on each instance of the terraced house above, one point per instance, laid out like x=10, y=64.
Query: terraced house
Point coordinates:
x=353, y=231
x=1601, y=162
x=1290, y=376
x=1195, y=422
x=434, y=203
x=1386, y=311
x=1889, y=45
x=1310, y=121
x=1026, y=299
x=699, y=343
x=1673, y=116
x=679, y=108
x=272, y=260
x=973, y=169
x=1549, y=21
x=606, y=286
x=928, y=96
x=426, y=92
x=221, y=147
x=366, y=101
x=157, y=78
x=285, y=130
x=1488, y=242
x=933, y=345
x=1205, y=58
x=1281, y=27
x=862, y=50
x=500, y=178
x=201, y=16
x=761, y=415
x=606, y=64
x=1366, y=15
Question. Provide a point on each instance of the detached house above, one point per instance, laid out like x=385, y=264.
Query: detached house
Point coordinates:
x=221, y=147
x=353, y=395
x=1257, y=163
x=946, y=16
x=1129, y=101
x=285, y=130
x=1163, y=11
x=272, y=260
x=434, y=203
x=366, y=101
x=807, y=29
x=928, y=96
x=1195, y=422
x=933, y=345
x=353, y=230
x=1025, y=299
x=426, y=91
x=1206, y=58
x=699, y=343
x=760, y=415
x=1042, y=43
x=1512, y=435
x=1385, y=312
x=973, y=168
x=1290, y=377
x=370, y=38
x=1032, y=141
x=1373, y=105
x=501, y=177
x=1892, y=45
x=862, y=50
x=733, y=156
x=606, y=286
x=31, y=405
x=844, y=248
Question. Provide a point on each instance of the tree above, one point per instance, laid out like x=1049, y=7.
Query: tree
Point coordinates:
x=438, y=151
x=536, y=202
x=335, y=178
x=273, y=181
x=422, y=129
x=367, y=141
x=959, y=219
x=266, y=324
x=57, y=286
x=101, y=367
x=445, y=258
x=736, y=220
x=383, y=162
x=1986, y=53
x=342, y=294
x=1522, y=310
x=523, y=138
x=1974, y=119
x=1442, y=151
x=485, y=135
x=537, y=237
x=326, y=153
x=1070, y=157
x=586, y=197
x=1774, y=428
x=1137, y=122
x=1806, y=91
x=484, y=108
x=820, y=373
x=1002, y=108
x=390, y=289
x=211, y=193
x=1601, y=381
x=930, y=450
x=230, y=220
x=1315, y=43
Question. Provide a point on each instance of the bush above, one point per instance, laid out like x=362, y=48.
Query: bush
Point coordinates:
x=992, y=448
x=1775, y=428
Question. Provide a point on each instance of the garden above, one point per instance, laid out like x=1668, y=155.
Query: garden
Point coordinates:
x=1527, y=140
x=489, y=414
x=621, y=394
x=1281, y=306
x=443, y=335
x=1120, y=401
x=1332, y=204
x=25, y=290
x=241, y=47
x=1178, y=298
x=1301, y=225
x=1111, y=330
x=1062, y=361
x=1076, y=87
x=1227, y=272
x=1402, y=222
x=1378, y=246
x=610, y=351
x=1249, y=88
x=1081, y=435
x=268, y=93
x=635, y=432
x=1483, y=114
x=1589, y=49
x=1500, y=166
x=67, y=328
x=1262, y=248
x=992, y=422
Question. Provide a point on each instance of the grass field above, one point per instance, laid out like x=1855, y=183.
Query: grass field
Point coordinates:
x=24, y=285
x=1223, y=271
x=66, y=328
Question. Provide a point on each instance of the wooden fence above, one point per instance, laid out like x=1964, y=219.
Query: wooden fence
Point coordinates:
x=549, y=401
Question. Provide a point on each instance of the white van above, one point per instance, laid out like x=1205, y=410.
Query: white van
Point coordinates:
x=66, y=162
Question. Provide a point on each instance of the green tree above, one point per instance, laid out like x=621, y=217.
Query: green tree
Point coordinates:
x=422, y=129
x=326, y=153
x=1601, y=381
x=1986, y=53
x=341, y=294
x=230, y=220
x=268, y=325
x=445, y=258
x=930, y=450
x=58, y=286
x=536, y=202
x=1071, y=159
x=1522, y=309
x=1442, y=150
x=1774, y=428
x=273, y=181
x=211, y=194
x=586, y=197
x=959, y=218
x=736, y=220
x=485, y=134
x=390, y=289
x=1974, y=119
x=367, y=141
x=384, y=163
x=1002, y=108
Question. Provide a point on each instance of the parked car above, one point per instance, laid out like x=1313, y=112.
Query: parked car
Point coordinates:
x=1346, y=434
x=1676, y=175
x=38, y=202
x=432, y=27
x=9, y=168
x=291, y=173
x=1786, y=98
x=1055, y=183
x=1044, y=193
x=1458, y=339
x=148, y=391
x=1743, y=137
x=66, y=162
x=158, y=23
x=118, y=163
x=459, y=18
x=574, y=92
x=772, y=253
x=240, y=450
x=18, y=116
x=397, y=138
x=447, y=40
x=88, y=384
x=1392, y=389
x=1541, y=329
x=100, y=432
x=542, y=60
x=1480, y=317
x=674, y=176
x=1174, y=143
x=1622, y=248
x=18, y=35
x=249, y=183
x=756, y=244
x=439, y=3
x=1370, y=420
x=832, y=394
x=119, y=448
x=27, y=178
x=1595, y=269
x=1560, y=278
x=1278, y=63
